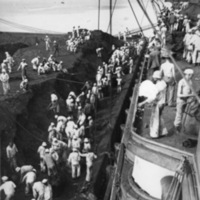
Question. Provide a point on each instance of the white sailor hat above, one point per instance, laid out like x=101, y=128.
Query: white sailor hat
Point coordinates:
x=75, y=137
x=79, y=108
x=69, y=118
x=46, y=150
x=3, y=70
x=4, y=178
x=72, y=93
x=56, y=116
x=55, y=139
x=44, y=180
x=188, y=71
x=89, y=117
x=44, y=144
x=157, y=74
x=52, y=124
x=86, y=140
x=34, y=170
x=17, y=169
x=162, y=24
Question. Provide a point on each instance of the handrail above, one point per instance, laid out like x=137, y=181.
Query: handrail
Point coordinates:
x=137, y=30
x=125, y=136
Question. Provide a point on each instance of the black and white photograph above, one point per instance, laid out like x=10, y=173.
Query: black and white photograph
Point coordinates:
x=99, y=99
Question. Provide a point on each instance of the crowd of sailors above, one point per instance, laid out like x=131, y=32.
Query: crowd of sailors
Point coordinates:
x=42, y=65
x=70, y=137
x=163, y=78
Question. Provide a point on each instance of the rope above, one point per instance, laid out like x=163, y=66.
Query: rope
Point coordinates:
x=136, y=17
x=111, y=15
x=145, y=9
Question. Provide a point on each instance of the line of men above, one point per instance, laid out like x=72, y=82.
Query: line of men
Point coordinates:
x=164, y=83
x=191, y=42
x=78, y=37
x=6, y=68
x=42, y=67
x=175, y=21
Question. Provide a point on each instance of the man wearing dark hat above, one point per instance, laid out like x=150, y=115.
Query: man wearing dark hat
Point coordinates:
x=154, y=60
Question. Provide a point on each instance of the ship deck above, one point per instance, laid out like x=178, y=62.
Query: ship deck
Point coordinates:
x=190, y=127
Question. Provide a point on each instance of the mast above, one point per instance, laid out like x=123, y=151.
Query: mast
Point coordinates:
x=110, y=17
x=99, y=15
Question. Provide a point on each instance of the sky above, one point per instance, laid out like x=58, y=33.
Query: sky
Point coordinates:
x=62, y=15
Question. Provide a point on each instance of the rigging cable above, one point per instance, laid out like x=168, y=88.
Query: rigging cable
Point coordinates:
x=136, y=18
x=111, y=15
x=145, y=9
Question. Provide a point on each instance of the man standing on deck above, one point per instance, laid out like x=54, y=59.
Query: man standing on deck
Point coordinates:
x=172, y=20
x=184, y=95
x=168, y=72
x=195, y=41
x=157, y=127
x=154, y=60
